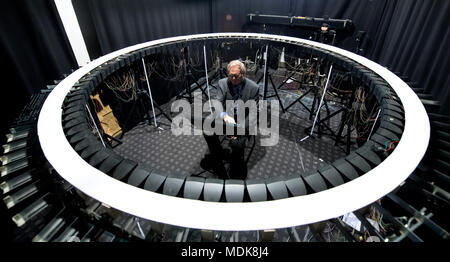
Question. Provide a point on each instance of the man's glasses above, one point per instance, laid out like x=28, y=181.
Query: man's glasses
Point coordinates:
x=235, y=76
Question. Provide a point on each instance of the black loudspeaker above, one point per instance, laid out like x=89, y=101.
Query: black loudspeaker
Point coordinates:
x=213, y=189
x=314, y=181
x=124, y=169
x=100, y=156
x=256, y=189
x=138, y=176
x=155, y=181
x=277, y=188
x=173, y=185
x=110, y=163
x=234, y=190
x=331, y=175
x=295, y=185
x=193, y=187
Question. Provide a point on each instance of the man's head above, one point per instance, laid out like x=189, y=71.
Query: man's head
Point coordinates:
x=236, y=71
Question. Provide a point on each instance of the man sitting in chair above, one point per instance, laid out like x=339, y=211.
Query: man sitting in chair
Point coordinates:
x=235, y=87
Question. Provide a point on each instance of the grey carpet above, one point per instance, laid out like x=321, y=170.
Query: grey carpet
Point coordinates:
x=181, y=155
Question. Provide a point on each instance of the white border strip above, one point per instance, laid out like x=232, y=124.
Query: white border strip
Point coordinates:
x=282, y=213
x=73, y=31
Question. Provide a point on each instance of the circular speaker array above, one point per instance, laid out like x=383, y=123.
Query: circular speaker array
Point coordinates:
x=347, y=184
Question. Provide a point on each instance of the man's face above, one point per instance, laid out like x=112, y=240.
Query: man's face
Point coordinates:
x=234, y=74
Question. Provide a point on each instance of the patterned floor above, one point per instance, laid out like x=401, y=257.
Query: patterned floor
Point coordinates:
x=160, y=149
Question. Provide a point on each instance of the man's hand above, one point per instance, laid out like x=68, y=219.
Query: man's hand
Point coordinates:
x=229, y=119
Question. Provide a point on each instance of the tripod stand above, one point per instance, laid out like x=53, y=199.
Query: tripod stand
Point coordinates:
x=346, y=110
x=137, y=104
x=189, y=78
x=140, y=102
x=312, y=87
x=266, y=76
x=289, y=76
x=153, y=103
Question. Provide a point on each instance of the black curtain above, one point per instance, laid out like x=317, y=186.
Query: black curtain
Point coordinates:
x=410, y=37
x=34, y=50
x=413, y=40
x=118, y=24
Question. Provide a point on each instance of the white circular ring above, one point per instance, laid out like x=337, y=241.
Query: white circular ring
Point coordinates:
x=199, y=214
